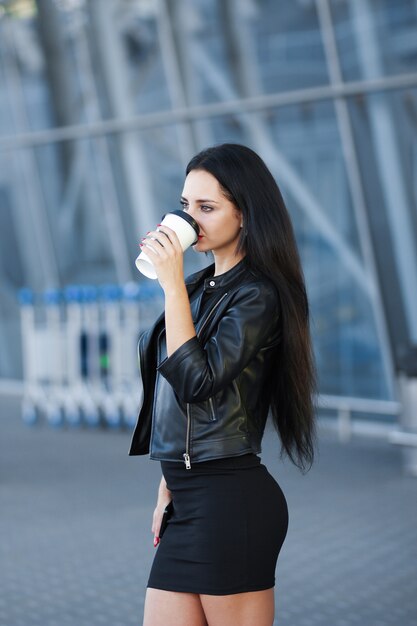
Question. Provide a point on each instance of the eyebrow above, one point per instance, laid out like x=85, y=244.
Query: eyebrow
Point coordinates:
x=201, y=200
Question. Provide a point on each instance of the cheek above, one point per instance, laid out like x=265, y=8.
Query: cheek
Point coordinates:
x=234, y=226
x=230, y=224
x=221, y=227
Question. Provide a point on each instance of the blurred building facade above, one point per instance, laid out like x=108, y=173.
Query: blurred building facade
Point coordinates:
x=102, y=103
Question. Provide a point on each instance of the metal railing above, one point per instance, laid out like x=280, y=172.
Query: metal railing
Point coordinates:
x=343, y=423
x=346, y=426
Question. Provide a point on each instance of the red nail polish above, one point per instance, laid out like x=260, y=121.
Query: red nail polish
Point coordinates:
x=141, y=245
x=159, y=224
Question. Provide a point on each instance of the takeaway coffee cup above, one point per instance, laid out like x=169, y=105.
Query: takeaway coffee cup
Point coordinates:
x=187, y=231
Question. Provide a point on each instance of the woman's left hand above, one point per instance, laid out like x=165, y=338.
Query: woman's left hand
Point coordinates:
x=164, y=250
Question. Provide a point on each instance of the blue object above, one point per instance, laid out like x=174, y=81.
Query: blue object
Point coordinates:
x=26, y=297
x=92, y=418
x=111, y=293
x=52, y=297
x=73, y=293
x=89, y=293
x=113, y=420
x=73, y=418
x=54, y=417
x=132, y=291
x=29, y=415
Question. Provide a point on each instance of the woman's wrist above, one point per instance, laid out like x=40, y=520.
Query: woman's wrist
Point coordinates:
x=163, y=501
x=176, y=290
x=164, y=494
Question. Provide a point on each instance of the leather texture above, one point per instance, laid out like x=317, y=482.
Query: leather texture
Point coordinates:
x=217, y=400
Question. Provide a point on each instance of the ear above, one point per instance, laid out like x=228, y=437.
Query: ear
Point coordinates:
x=239, y=216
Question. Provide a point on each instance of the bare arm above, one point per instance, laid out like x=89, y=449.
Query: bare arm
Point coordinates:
x=165, y=251
x=179, y=325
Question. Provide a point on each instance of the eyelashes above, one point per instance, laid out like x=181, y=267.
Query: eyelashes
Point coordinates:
x=204, y=207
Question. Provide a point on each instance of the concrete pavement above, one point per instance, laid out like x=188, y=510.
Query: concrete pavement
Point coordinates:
x=76, y=546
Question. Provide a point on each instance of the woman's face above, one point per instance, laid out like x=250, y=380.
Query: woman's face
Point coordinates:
x=218, y=218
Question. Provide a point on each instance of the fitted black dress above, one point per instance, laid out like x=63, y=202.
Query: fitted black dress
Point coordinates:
x=229, y=522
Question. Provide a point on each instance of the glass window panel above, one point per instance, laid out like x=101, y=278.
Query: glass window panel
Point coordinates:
x=386, y=134
x=348, y=349
x=306, y=140
x=55, y=73
x=288, y=45
x=343, y=327
x=78, y=187
x=241, y=50
x=376, y=37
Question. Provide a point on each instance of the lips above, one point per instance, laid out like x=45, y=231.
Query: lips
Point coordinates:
x=200, y=236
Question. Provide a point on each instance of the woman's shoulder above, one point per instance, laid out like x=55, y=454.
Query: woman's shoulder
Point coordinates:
x=259, y=283
x=249, y=282
x=256, y=301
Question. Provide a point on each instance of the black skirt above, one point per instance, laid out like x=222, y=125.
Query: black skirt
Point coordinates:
x=229, y=522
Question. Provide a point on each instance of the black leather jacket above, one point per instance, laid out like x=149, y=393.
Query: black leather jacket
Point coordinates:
x=221, y=378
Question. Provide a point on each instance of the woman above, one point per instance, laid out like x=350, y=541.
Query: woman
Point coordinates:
x=233, y=343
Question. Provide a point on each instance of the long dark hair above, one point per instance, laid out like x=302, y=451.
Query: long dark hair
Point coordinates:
x=268, y=241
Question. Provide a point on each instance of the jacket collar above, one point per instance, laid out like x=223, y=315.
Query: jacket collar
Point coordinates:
x=215, y=283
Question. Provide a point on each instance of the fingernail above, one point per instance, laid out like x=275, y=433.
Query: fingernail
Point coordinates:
x=147, y=233
x=159, y=224
x=141, y=245
x=155, y=542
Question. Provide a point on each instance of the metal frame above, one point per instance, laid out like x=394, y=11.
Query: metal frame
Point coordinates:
x=188, y=118
x=174, y=77
x=383, y=131
x=130, y=149
x=101, y=163
x=261, y=139
x=239, y=105
x=356, y=188
x=37, y=227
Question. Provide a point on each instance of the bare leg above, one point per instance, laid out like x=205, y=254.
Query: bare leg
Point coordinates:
x=173, y=608
x=240, y=609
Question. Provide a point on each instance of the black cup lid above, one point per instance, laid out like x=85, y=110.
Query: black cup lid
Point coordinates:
x=187, y=218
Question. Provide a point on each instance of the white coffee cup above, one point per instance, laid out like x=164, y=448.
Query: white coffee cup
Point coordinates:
x=187, y=231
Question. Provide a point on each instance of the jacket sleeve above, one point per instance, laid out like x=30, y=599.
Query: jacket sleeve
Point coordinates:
x=196, y=373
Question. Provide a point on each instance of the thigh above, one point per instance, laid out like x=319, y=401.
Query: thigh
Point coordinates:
x=172, y=607
x=240, y=609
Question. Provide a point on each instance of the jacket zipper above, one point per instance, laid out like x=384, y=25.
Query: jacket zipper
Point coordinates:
x=186, y=455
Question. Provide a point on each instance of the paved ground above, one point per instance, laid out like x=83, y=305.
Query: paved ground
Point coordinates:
x=75, y=544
